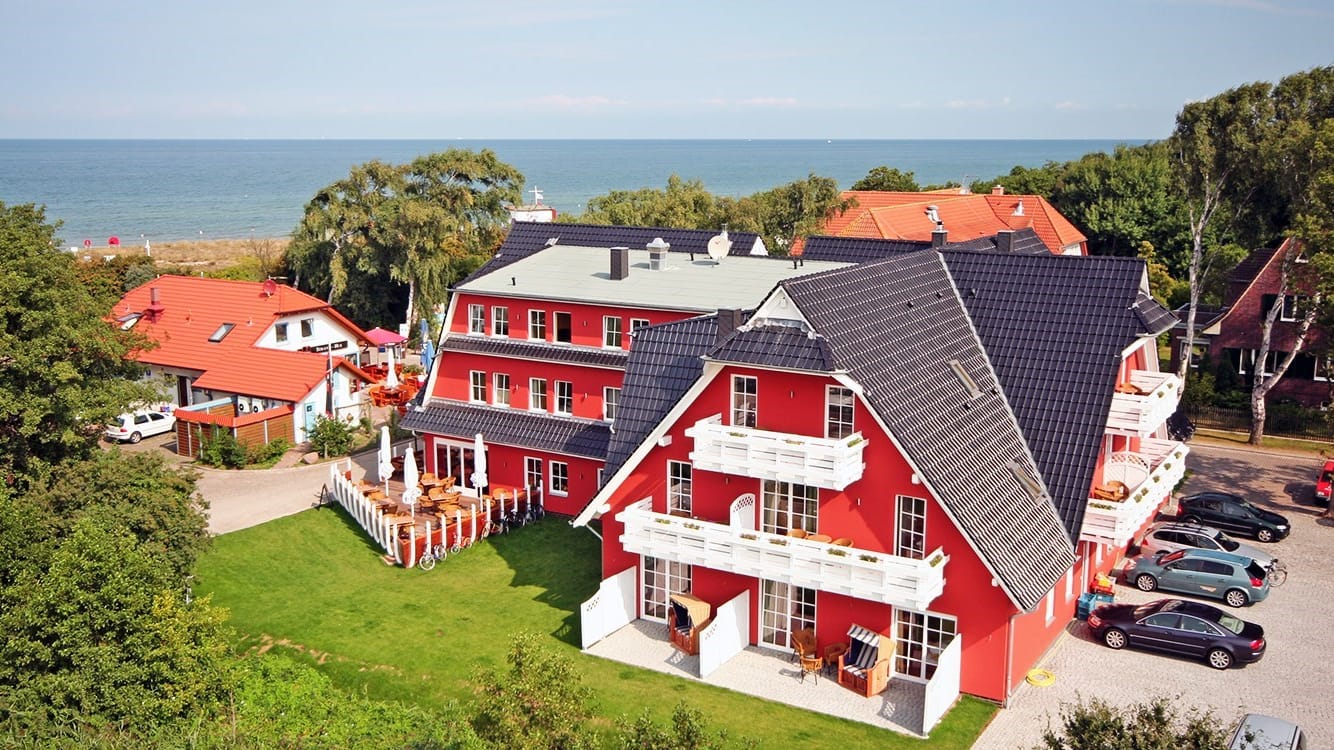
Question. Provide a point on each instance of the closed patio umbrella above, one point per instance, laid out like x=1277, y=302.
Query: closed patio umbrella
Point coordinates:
x=411, y=492
x=384, y=460
x=391, y=378
x=479, y=479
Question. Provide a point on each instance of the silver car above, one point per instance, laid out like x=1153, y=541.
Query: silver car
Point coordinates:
x=1170, y=537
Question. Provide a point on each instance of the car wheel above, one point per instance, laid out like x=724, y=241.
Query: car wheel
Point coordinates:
x=1220, y=659
x=135, y=437
x=1146, y=582
x=1236, y=598
x=1115, y=638
x=1265, y=535
x=1191, y=519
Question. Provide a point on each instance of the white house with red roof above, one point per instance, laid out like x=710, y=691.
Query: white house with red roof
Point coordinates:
x=262, y=360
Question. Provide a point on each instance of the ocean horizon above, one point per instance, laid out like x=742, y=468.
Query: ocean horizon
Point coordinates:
x=182, y=189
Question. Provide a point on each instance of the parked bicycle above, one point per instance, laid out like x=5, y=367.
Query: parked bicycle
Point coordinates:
x=1278, y=573
x=432, y=555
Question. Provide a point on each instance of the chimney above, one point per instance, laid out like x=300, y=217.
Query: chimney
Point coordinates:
x=657, y=253
x=939, y=236
x=998, y=189
x=154, y=297
x=1019, y=209
x=155, y=308
x=1005, y=240
x=620, y=263
x=933, y=214
x=729, y=321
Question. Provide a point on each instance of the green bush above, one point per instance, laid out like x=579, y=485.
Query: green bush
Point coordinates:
x=331, y=437
x=269, y=452
x=221, y=448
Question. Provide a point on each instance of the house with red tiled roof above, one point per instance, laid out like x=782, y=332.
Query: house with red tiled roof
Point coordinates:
x=262, y=360
x=962, y=216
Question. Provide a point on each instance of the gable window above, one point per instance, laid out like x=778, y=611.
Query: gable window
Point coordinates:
x=222, y=332
x=744, y=390
x=678, y=487
x=280, y=332
x=564, y=397
x=838, y=412
x=611, y=331
x=477, y=319
x=789, y=506
x=500, y=321
x=563, y=328
x=637, y=323
x=532, y=472
x=1320, y=367
x=611, y=401
x=537, y=394
x=1292, y=307
x=560, y=478
x=911, y=539
x=307, y=327
x=537, y=325
x=477, y=387
x=500, y=389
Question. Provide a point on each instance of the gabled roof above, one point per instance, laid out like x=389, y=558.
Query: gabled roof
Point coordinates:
x=189, y=327
x=515, y=427
x=528, y=237
x=777, y=346
x=1055, y=328
x=898, y=328
x=862, y=250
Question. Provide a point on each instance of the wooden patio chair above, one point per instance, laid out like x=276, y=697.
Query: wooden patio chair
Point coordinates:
x=811, y=664
x=865, y=667
x=1114, y=491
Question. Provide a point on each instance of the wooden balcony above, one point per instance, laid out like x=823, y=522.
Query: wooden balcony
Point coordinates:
x=1141, y=413
x=785, y=457
x=859, y=573
x=1149, y=476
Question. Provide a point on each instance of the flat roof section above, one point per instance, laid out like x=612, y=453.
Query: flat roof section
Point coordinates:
x=583, y=274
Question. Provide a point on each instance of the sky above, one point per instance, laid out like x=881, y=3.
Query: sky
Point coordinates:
x=433, y=69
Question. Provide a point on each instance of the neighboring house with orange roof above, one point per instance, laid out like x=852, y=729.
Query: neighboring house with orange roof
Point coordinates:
x=962, y=216
x=262, y=360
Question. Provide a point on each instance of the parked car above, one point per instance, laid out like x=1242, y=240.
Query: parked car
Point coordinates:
x=1233, y=513
x=1236, y=580
x=1180, y=627
x=1260, y=732
x=1322, y=482
x=1167, y=536
x=135, y=426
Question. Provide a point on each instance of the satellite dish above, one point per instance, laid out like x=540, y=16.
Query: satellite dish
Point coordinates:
x=269, y=287
x=719, y=246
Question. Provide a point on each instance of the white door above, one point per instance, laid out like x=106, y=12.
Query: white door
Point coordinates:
x=783, y=609
x=662, y=578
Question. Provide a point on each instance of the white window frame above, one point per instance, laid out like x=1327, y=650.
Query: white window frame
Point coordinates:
x=659, y=579
x=477, y=386
x=613, y=335
x=1201, y=350
x=500, y=389
x=611, y=402
x=679, y=481
x=564, y=398
x=532, y=472
x=307, y=327
x=537, y=325
x=1288, y=311
x=280, y=332
x=637, y=323
x=537, y=394
x=834, y=424
x=920, y=637
x=1320, y=368
x=910, y=527
x=779, y=511
x=555, y=326
x=500, y=321
x=745, y=410
x=559, y=478
x=476, y=320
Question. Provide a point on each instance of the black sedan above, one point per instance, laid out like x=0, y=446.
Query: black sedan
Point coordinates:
x=1180, y=627
x=1233, y=513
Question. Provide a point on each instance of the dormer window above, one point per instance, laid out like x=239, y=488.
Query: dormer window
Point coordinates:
x=1026, y=480
x=127, y=321
x=280, y=332
x=222, y=332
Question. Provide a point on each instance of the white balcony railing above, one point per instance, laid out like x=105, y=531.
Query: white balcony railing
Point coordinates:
x=859, y=573
x=785, y=457
x=1149, y=475
x=1140, y=414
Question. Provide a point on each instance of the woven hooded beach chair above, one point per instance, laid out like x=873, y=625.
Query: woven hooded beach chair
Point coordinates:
x=865, y=666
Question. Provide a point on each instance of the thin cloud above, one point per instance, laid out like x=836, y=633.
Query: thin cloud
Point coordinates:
x=562, y=101
x=978, y=103
x=1067, y=105
x=1261, y=6
x=770, y=101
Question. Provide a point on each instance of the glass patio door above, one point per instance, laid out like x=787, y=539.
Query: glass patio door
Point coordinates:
x=783, y=609
x=661, y=578
x=921, y=638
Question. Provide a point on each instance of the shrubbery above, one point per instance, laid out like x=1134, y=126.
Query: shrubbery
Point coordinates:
x=331, y=437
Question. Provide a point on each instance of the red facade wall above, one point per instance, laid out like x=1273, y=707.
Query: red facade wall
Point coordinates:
x=586, y=320
x=454, y=381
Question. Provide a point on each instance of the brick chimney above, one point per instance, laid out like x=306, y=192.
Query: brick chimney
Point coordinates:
x=1005, y=240
x=620, y=263
x=939, y=236
x=155, y=308
x=998, y=189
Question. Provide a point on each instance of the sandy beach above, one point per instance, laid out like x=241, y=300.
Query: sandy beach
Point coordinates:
x=217, y=253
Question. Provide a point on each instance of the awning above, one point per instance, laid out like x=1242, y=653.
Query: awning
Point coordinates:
x=381, y=337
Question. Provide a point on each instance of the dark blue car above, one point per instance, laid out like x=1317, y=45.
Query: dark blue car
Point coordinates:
x=1177, y=626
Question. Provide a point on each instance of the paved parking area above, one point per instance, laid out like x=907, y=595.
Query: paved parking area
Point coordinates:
x=1293, y=679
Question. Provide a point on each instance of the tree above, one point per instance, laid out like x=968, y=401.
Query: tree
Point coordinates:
x=686, y=732
x=63, y=369
x=1154, y=725
x=798, y=209
x=540, y=704
x=684, y=204
x=888, y=179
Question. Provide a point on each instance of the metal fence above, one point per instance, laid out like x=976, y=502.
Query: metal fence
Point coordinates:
x=1282, y=420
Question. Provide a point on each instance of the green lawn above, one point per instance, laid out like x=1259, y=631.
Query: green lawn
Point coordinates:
x=313, y=583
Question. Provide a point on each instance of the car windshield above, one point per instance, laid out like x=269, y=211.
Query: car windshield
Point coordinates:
x=1226, y=542
x=1231, y=623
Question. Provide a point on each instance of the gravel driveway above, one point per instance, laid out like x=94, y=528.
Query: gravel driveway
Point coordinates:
x=1294, y=677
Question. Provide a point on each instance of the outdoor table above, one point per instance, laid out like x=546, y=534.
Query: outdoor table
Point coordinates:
x=820, y=538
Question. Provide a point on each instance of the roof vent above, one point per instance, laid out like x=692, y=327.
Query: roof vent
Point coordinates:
x=968, y=383
x=1019, y=209
x=552, y=241
x=620, y=263
x=657, y=253
x=933, y=214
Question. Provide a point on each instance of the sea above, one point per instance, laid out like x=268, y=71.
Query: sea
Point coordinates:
x=160, y=190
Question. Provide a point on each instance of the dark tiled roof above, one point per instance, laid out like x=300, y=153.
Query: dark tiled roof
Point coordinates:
x=528, y=237
x=521, y=349
x=1024, y=241
x=1205, y=315
x=863, y=250
x=575, y=437
x=1153, y=317
x=896, y=325
x=787, y=347
x=665, y=360
x=1054, y=327
x=1250, y=267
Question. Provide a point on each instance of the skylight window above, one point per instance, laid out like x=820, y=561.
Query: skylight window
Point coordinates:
x=968, y=383
x=222, y=332
x=1026, y=480
x=127, y=321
